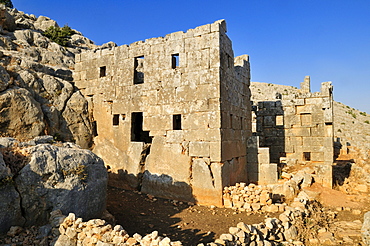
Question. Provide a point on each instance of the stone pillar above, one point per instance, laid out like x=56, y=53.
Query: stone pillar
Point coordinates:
x=306, y=85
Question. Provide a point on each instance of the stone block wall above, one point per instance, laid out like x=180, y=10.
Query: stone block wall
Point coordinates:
x=172, y=114
x=299, y=128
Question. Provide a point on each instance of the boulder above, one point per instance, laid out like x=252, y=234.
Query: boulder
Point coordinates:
x=70, y=179
x=21, y=116
x=10, y=209
x=76, y=120
x=43, y=23
x=7, y=21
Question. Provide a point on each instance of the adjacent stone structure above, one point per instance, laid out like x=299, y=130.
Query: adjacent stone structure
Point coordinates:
x=172, y=114
x=297, y=128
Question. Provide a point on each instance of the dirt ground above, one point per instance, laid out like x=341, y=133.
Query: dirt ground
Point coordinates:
x=190, y=224
x=193, y=224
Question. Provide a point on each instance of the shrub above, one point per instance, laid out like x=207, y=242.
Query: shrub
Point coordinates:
x=7, y=3
x=59, y=35
x=367, y=122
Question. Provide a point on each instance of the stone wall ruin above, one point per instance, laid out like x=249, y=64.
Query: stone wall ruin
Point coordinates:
x=296, y=129
x=172, y=114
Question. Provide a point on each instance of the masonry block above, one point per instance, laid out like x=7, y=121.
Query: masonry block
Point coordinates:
x=199, y=149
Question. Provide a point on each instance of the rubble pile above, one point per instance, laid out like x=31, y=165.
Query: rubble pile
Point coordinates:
x=251, y=198
x=295, y=226
x=97, y=232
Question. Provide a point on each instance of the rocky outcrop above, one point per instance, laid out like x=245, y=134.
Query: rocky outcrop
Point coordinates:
x=47, y=178
x=20, y=114
x=10, y=209
x=37, y=92
x=365, y=230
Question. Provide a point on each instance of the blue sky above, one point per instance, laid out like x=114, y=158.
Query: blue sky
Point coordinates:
x=286, y=39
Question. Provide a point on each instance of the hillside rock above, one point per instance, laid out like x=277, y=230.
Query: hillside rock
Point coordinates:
x=20, y=116
x=43, y=23
x=65, y=178
x=10, y=209
x=365, y=230
x=7, y=21
x=31, y=62
x=4, y=79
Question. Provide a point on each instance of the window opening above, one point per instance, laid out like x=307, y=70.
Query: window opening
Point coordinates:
x=279, y=120
x=103, y=71
x=94, y=127
x=116, y=119
x=176, y=122
x=175, y=60
x=139, y=70
x=137, y=133
x=307, y=156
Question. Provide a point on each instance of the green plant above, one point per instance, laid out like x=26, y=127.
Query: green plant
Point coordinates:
x=352, y=113
x=6, y=181
x=363, y=113
x=80, y=171
x=367, y=122
x=59, y=35
x=7, y=3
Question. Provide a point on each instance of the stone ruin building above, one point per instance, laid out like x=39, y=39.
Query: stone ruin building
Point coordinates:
x=172, y=113
x=296, y=129
x=173, y=117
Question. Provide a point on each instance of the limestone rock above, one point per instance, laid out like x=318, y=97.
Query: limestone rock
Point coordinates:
x=21, y=115
x=76, y=120
x=4, y=79
x=69, y=179
x=365, y=230
x=43, y=23
x=7, y=21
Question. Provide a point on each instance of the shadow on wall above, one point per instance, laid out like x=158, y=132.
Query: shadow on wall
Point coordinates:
x=157, y=185
x=267, y=145
x=341, y=171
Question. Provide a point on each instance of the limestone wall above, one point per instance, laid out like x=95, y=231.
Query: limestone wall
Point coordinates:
x=160, y=108
x=298, y=127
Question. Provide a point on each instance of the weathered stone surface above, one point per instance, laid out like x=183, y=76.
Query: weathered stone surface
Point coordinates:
x=7, y=21
x=21, y=115
x=4, y=79
x=69, y=179
x=166, y=95
x=77, y=120
x=10, y=210
x=365, y=230
x=43, y=23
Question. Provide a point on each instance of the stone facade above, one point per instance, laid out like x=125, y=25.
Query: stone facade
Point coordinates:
x=297, y=128
x=172, y=114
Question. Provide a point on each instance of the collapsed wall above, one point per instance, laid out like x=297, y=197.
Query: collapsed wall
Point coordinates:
x=172, y=114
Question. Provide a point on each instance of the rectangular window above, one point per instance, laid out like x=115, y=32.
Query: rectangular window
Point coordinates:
x=137, y=133
x=307, y=156
x=175, y=61
x=103, y=71
x=279, y=120
x=116, y=119
x=176, y=122
x=94, y=128
x=139, y=70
